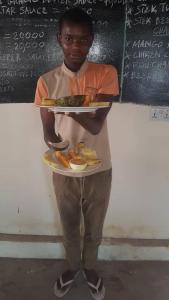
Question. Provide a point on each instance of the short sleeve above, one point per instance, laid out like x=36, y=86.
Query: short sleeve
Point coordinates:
x=41, y=91
x=109, y=83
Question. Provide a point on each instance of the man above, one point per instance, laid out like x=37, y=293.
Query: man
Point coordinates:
x=89, y=192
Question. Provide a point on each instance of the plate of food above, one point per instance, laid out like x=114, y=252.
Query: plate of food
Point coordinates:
x=77, y=103
x=79, y=159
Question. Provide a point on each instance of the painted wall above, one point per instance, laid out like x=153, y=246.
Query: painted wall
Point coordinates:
x=140, y=155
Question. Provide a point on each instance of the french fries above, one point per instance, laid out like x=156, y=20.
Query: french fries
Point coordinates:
x=79, y=152
x=73, y=154
x=62, y=158
x=49, y=160
x=93, y=162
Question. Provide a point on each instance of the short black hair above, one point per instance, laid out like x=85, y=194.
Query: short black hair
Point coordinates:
x=77, y=16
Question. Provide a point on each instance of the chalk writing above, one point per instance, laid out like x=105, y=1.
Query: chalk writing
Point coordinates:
x=28, y=43
x=161, y=31
x=27, y=35
x=146, y=56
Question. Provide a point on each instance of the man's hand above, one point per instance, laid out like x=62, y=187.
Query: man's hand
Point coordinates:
x=93, y=122
x=52, y=139
x=48, y=122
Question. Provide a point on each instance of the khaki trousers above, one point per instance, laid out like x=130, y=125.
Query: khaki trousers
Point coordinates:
x=87, y=196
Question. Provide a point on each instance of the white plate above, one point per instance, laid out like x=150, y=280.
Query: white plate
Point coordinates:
x=78, y=109
x=60, y=169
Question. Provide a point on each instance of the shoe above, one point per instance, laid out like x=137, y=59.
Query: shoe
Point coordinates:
x=64, y=286
x=98, y=294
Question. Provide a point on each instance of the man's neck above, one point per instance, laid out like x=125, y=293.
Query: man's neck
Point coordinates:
x=73, y=68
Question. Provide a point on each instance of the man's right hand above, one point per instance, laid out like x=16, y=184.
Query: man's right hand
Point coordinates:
x=59, y=146
x=56, y=142
x=52, y=139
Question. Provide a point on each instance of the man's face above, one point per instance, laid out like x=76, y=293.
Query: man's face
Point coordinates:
x=75, y=41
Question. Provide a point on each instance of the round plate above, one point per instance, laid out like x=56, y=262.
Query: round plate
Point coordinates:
x=60, y=169
x=79, y=109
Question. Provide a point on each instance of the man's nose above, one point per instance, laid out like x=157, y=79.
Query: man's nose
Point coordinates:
x=76, y=44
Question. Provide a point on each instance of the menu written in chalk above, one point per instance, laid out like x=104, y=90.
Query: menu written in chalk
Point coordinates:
x=146, y=56
x=28, y=44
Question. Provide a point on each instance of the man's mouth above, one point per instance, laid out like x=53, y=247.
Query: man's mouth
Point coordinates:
x=76, y=55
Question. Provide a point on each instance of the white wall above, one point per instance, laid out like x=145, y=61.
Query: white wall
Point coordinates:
x=140, y=155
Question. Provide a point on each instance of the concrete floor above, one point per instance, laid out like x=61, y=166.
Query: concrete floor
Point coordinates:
x=31, y=279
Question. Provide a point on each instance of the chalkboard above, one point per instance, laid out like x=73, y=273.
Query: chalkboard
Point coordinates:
x=146, y=56
x=28, y=46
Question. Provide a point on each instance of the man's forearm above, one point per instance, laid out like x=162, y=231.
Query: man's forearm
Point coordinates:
x=48, y=122
x=93, y=123
x=87, y=121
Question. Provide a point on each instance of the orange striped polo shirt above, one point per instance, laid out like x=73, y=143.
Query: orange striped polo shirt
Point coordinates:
x=62, y=82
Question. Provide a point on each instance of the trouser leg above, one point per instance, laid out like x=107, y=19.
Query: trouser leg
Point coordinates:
x=67, y=190
x=97, y=189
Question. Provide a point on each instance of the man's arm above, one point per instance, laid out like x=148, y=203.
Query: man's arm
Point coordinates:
x=48, y=118
x=48, y=122
x=108, y=91
x=94, y=122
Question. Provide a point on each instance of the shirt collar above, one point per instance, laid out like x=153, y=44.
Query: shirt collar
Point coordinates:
x=73, y=74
